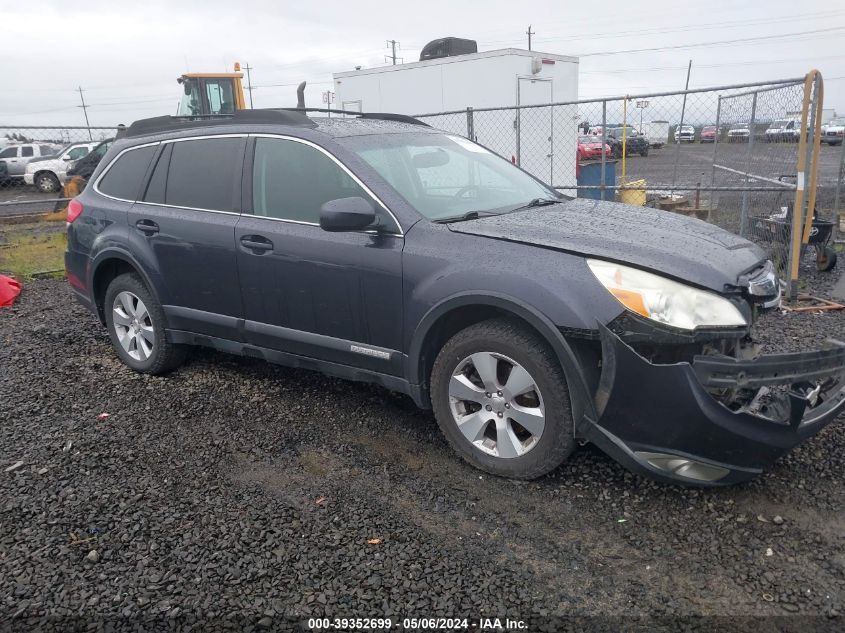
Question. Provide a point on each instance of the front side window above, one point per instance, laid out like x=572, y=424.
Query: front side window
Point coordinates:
x=292, y=180
x=9, y=152
x=125, y=175
x=445, y=176
x=77, y=153
x=202, y=173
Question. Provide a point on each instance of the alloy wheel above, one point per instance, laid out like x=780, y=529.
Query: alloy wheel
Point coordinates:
x=133, y=326
x=497, y=405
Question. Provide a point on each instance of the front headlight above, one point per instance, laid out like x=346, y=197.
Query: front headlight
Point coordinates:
x=664, y=300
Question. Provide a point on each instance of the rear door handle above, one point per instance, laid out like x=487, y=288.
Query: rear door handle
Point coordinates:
x=256, y=243
x=147, y=227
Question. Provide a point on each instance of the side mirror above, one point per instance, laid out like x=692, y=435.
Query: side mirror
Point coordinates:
x=66, y=158
x=347, y=214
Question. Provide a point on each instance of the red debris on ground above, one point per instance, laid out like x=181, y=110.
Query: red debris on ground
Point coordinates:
x=9, y=290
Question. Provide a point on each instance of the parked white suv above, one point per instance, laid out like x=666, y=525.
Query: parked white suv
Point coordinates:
x=834, y=131
x=739, y=133
x=783, y=130
x=17, y=157
x=48, y=173
x=684, y=134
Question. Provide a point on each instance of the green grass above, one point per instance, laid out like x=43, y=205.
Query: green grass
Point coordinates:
x=27, y=249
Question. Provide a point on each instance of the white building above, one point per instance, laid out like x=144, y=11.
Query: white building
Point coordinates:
x=491, y=79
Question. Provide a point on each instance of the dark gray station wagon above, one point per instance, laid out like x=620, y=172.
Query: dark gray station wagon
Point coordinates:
x=379, y=249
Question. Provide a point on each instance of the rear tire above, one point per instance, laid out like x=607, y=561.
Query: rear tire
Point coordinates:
x=135, y=321
x=525, y=432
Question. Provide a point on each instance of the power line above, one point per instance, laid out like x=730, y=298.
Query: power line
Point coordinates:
x=744, y=40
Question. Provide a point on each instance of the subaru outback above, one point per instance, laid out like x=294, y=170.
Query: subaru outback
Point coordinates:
x=379, y=249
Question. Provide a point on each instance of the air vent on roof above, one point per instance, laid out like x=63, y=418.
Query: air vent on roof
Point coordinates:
x=448, y=47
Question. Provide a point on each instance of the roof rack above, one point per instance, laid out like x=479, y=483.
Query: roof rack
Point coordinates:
x=269, y=116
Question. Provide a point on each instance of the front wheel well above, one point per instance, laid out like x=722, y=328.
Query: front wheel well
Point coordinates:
x=452, y=322
x=103, y=276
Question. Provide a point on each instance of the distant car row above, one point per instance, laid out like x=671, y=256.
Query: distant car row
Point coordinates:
x=779, y=131
x=48, y=168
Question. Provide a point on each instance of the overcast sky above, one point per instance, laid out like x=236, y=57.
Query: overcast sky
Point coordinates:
x=127, y=55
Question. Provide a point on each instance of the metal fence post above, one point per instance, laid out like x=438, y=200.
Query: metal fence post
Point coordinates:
x=470, y=125
x=838, y=191
x=743, y=217
x=715, y=143
x=603, y=142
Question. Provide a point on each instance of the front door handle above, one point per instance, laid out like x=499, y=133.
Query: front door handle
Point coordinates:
x=147, y=227
x=258, y=244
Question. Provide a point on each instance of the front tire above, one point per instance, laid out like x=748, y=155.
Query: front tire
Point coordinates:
x=135, y=321
x=501, y=399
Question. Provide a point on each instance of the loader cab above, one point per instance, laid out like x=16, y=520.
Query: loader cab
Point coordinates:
x=209, y=94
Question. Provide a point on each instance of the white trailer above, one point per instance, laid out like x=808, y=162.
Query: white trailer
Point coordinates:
x=542, y=140
x=657, y=133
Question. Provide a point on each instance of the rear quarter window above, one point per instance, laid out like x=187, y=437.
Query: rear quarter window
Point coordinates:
x=125, y=175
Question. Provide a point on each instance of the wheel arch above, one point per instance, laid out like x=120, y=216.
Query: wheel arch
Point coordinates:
x=107, y=266
x=450, y=316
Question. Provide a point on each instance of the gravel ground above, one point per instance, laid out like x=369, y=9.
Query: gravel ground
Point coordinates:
x=236, y=493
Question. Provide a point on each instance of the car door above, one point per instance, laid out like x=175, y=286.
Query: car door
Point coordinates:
x=183, y=228
x=335, y=297
x=9, y=156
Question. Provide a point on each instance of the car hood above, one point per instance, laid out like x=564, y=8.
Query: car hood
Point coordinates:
x=687, y=249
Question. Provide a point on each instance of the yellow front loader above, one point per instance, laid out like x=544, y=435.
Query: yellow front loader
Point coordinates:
x=208, y=94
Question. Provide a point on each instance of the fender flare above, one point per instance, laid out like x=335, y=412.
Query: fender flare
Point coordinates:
x=580, y=397
x=113, y=252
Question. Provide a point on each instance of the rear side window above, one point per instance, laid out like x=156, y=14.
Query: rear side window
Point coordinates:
x=125, y=175
x=46, y=150
x=27, y=150
x=203, y=174
x=292, y=180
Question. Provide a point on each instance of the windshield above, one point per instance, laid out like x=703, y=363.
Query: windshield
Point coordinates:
x=445, y=176
x=709, y=128
x=781, y=123
x=837, y=121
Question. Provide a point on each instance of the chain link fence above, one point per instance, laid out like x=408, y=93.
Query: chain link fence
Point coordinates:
x=727, y=155
x=37, y=162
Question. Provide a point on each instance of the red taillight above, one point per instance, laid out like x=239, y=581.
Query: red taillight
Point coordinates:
x=74, y=209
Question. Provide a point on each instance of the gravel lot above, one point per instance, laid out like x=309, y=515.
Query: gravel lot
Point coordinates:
x=237, y=492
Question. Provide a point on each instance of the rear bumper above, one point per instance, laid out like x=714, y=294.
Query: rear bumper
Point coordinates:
x=661, y=420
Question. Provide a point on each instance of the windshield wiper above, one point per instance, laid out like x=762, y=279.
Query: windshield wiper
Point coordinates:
x=469, y=215
x=536, y=202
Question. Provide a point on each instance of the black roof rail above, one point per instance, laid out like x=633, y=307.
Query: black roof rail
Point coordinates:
x=384, y=116
x=269, y=116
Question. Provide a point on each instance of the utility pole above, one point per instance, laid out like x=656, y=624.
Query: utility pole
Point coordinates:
x=529, y=33
x=247, y=68
x=392, y=45
x=85, y=111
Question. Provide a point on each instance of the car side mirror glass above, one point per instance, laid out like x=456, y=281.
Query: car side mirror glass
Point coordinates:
x=347, y=214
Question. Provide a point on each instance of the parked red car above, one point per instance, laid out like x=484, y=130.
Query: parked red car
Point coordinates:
x=591, y=147
x=708, y=134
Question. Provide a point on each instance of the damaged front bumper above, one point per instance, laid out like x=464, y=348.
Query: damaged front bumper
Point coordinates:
x=713, y=421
